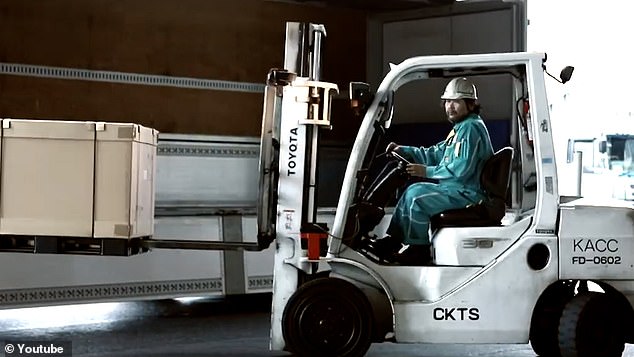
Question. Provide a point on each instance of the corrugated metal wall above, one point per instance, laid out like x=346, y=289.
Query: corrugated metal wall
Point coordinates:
x=223, y=40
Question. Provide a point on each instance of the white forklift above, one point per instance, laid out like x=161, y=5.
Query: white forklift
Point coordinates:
x=526, y=265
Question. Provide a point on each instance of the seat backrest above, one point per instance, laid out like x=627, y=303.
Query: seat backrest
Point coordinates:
x=494, y=180
x=496, y=174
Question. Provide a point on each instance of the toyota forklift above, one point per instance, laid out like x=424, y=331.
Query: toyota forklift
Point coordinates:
x=526, y=264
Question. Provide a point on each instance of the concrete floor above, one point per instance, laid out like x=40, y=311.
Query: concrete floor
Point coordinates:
x=199, y=328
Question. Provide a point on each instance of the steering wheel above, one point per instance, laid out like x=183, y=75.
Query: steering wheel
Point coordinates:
x=399, y=157
x=403, y=162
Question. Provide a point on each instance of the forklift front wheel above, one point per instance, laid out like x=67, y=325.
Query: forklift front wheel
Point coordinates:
x=328, y=317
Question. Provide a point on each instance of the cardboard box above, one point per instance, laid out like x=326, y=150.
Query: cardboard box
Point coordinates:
x=124, y=180
x=77, y=179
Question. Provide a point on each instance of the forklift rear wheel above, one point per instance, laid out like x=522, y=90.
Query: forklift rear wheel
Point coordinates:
x=328, y=317
x=544, y=331
x=592, y=325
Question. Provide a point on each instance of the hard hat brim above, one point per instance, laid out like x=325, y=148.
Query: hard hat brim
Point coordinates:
x=453, y=97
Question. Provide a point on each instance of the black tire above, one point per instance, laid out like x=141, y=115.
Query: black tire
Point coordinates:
x=591, y=326
x=544, y=331
x=328, y=317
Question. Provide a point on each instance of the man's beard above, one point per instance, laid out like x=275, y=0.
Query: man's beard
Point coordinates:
x=456, y=119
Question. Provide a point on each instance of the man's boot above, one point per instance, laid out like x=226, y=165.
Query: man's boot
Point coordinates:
x=383, y=249
x=414, y=255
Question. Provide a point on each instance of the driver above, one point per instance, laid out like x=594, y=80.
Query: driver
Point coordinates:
x=455, y=163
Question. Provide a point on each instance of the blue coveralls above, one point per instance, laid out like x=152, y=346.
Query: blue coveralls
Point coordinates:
x=456, y=163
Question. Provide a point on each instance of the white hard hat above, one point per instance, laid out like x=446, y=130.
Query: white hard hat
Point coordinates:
x=460, y=88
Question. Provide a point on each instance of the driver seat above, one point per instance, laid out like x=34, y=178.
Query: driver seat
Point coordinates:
x=494, y=180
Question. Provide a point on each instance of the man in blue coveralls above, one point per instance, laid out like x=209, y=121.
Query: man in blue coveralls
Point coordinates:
x=456, y=164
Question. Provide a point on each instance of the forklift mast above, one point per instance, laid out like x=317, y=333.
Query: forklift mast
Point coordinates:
x=297, y=106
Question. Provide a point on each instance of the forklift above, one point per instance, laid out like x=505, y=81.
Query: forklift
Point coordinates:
x=526, y=264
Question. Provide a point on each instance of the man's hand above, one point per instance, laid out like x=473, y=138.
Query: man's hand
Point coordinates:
x=392, y=147
x=416, y=170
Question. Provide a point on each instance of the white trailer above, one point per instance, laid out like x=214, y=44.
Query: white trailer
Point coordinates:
x=193, y=203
